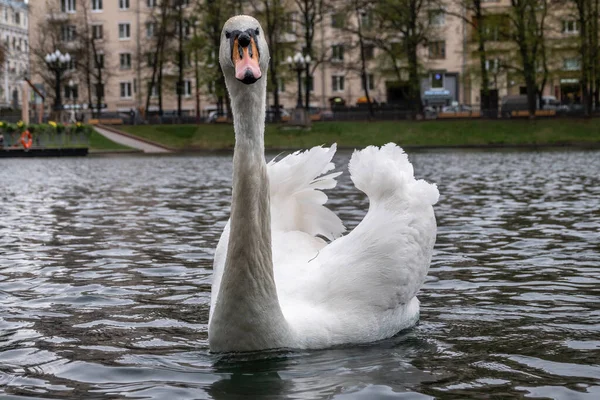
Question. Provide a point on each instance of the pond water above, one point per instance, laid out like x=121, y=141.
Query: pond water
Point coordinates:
x=105, y=271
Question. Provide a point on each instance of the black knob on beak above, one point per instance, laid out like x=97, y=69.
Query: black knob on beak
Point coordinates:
x=244, y=39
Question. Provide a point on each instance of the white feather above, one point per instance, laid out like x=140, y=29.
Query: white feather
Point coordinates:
x=277, y=283
x=360, y=287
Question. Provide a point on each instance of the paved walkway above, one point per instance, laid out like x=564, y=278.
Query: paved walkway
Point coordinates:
x=129, y=141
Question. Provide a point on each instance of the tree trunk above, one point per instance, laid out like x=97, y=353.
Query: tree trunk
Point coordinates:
x=363, y=64
x=414, y=81
x=583, y=19
x=485, y=79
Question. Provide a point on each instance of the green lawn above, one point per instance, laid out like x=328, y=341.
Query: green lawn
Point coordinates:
x=404, y=133
x=100, y=143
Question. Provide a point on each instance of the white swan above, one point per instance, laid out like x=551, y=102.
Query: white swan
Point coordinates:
x=276, y=283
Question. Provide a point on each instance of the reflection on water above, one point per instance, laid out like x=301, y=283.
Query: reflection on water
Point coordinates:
x=105, y=268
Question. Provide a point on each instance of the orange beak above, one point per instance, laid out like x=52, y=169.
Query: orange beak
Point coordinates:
x=245, y=59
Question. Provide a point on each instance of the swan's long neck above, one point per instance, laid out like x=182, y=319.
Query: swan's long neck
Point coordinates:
x=247, y=314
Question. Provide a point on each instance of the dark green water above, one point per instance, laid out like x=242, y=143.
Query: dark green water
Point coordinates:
x=105, y=271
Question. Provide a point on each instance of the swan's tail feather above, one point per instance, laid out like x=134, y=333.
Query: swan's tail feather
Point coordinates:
x=385, y=172
x=297, y=202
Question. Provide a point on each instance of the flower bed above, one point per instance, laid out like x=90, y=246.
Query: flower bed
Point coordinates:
x=44, y=136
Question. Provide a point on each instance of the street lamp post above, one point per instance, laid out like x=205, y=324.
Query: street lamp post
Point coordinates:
x=58, y=63
x=298, y=63
x=195, y=25
x=72, y=100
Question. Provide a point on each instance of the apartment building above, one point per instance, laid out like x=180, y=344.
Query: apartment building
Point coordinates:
x=122, y=31
x=338, y=75
x=561, y=32
x=125, y=29
x=14, y=33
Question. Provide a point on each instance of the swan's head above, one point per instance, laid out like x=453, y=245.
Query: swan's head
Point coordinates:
x=244, y=53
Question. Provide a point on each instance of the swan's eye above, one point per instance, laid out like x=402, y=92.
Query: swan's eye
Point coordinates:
x=227, y=34
x=256, y=32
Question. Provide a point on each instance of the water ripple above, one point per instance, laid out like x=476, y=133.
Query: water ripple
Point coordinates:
x=105, y=268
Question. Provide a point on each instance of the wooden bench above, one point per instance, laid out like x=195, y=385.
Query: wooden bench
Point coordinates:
x=106, y=121
x=538, y=113
x=461, y=114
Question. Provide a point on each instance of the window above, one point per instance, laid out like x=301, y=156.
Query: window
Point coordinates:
x=290, y=22
x=125, y=60
x=310, y=83
x=99, y=60
x=72, y=65
x=125, y=90
x=337, y=52
x=96, y=5
x=68, y=33
x=366, y=20
x=337, y=20
x=152, y=3
x=369, y=50
x=71, y=92
x=571, y=64
x=97, y=31
x=280, y=85
x=187, y=28
x=492, y=65
x=437, y=18
x=496, y=27
x=370, y=82
x=123, y=4
x=150, y=57
x=570, y=26
x=68, y=6
x=437, y=80
x=18, y=18
x=99, y=90
x=150, y=29
x=152, y=89
x=124, y=31
x=187, y=60
x=187, y=88
x=437, y=50
x=337, y=83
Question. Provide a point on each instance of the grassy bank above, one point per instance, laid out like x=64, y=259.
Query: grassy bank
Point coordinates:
x=100, y=143
x=405, y=133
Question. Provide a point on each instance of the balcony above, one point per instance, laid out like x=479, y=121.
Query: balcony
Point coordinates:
x=58, y=17
x=288, y=37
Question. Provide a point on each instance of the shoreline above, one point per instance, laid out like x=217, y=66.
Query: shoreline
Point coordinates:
x=482, y=147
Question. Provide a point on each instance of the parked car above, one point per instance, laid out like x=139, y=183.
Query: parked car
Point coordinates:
x=283, y=113
x=520, y=103
x=513, y=103
x=216, y=116
x=455, y=108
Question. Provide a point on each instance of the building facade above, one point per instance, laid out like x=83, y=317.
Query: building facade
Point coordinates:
x=14, y=33
x=124, y=33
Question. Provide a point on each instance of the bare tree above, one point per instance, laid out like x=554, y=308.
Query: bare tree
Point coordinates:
x=359, y=26
x=311, y=14
x=213, y=15
x=56, y=36
x=528, y=23
x=272, y=15
x=90, y=60
x=405, y=22
x=587, y=19
x=160, y=25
